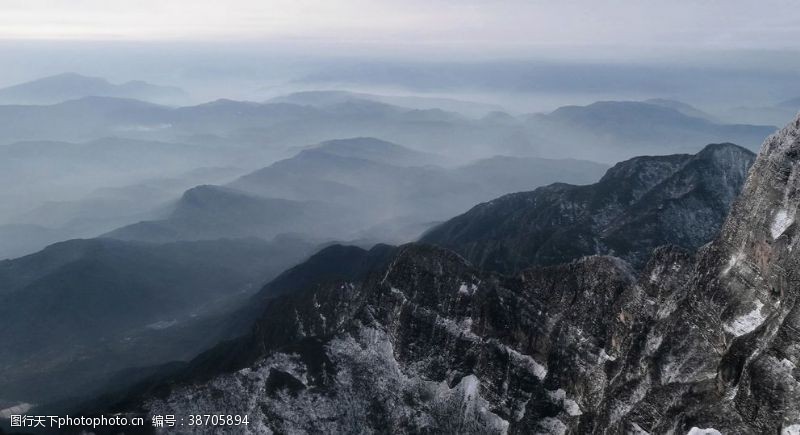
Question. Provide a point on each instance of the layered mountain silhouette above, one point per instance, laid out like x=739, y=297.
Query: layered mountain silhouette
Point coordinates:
x=685, y=108
x=376, y=150
x=322, y=190
x=604, y=131
x=82, y=119
x=71, y=86
x=212, y=212
x=776, y=113
x=638, y=205
x=82, y=310
x=327, y=98
x=423, y=341
x=93, y=187
x=650, y=128
x=97, y=212
x=551, y=309
x=128, y=159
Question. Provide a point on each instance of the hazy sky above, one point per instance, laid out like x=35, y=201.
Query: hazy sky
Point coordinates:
x=760, y=24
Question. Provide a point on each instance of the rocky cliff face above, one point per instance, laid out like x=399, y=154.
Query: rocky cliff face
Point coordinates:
x=638, y=205
x=720, y=348
x=426, y=343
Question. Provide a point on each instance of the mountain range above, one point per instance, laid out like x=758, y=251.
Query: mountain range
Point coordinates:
x=774, y=113
x=212, y=212
x=326, y=98
x=638, y=205
x=618, y=126
x=322, y=191
x=71, y=86
x=422, y=341
x=414, y=337
x=139, y=177
x=97, y=212
x=604, y=131
x=78, y=270
x=277, y=259
x=83, y=310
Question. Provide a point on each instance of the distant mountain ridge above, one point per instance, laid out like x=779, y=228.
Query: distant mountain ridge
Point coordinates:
x=652, y=126
x=685, y=108
x=377, y=150
x=604, y=131
x=350, y=189
x=638, y=205
x=71, y=86
x=211, y=212
x=53, y=201
x=326, y=98
x=84, y=309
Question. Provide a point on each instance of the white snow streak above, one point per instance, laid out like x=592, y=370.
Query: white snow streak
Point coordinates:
x=732, y=262
x=527, y=361
x=552, y=426
x=698, y=431
x=791, y=430
x=603, y=357
x=748, y=322
x=467, y=289
x=780, y=223
x=570, y=406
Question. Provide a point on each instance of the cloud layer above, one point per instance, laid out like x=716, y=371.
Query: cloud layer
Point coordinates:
x=680, y=23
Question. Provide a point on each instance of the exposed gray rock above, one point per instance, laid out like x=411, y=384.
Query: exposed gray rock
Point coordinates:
x=638, y=205
x=728, y=344
x=429, y=344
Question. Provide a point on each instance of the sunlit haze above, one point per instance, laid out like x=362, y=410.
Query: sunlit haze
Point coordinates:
x=725, y=24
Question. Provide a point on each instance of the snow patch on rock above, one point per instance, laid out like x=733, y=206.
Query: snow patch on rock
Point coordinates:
x=528, y=362
x=732, y=262
x=570, y=406
x=748, y=322
x=791, y=430
x=367, y=379
x=655, y=273
x=697, y=431
x=780, y=223
x=461, y=328
x=603, y=357
x=552, y=426
x=467, y=289
x=653, y=343
x=678, y=369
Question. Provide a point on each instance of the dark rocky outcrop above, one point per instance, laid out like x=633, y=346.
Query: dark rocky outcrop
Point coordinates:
x=638, y=205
